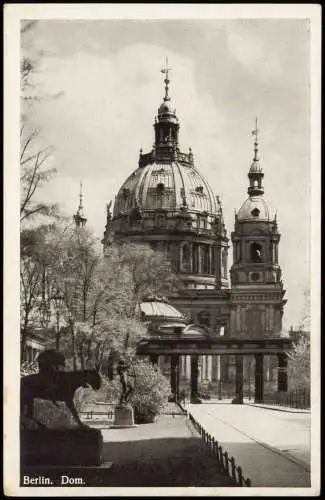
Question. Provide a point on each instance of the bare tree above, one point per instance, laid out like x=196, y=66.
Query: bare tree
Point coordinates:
x=34, y=158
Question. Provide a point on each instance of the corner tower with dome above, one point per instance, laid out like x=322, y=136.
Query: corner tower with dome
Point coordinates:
x=256, y=285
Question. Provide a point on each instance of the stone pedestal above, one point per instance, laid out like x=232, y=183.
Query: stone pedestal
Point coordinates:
x=61, y=447
x=124, y=416
x=56, y=439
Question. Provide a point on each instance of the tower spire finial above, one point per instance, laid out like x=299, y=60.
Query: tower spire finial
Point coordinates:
x=79, y=217
x=255, y=173
x=80, y=208
x=255, y=132
x=166, y=80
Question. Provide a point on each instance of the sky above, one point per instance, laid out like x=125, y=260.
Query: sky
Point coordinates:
x=224, y=74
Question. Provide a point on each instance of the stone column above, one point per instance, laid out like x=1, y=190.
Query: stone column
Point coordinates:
x=174, y=374
x=259, y=379
x=224, y=365
x=209, y=363
x=203, y=369
x=154, y=358
x=194, y=376
x=218, y=263
x=282, y=372
x=210, y=259
x=199, y=259
x=219, y=380
x=239, y=379
x=188, y=367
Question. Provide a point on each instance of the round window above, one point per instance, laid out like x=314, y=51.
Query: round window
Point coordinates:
x=255, y=212
x=255, y=276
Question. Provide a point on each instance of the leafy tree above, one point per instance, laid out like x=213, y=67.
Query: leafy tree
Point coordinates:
x=152, y=273
x=102, y=294
x=36, y=285
x=299, y=364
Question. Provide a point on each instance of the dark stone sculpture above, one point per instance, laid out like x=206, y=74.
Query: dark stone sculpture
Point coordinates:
x=46, y=438
x=123, y=370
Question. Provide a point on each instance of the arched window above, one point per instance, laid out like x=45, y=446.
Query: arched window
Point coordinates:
x=256, y=252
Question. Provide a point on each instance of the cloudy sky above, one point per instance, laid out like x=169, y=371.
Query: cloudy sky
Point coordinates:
x=224, y=73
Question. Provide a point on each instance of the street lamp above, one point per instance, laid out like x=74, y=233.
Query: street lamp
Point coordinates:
x=72, y=313
x=58, y=299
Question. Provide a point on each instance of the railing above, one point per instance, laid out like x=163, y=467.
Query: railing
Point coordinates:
x=96, y=416
x=228, y=464
x=297, y=398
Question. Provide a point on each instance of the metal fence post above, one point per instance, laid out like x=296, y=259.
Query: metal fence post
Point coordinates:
x=226, y=462
x=240, y=475
x=233, y=468
x=215, y=449
x=220, y=455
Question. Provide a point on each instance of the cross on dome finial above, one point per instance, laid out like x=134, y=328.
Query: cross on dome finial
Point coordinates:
x=166, y=72
x=255, y=132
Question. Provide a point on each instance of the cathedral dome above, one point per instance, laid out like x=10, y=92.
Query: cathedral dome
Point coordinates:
x=167, y=185
x=169, y=205
x=256, y=208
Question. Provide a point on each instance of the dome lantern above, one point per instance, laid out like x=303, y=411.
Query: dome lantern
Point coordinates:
x=255, y=173
x=166, y=123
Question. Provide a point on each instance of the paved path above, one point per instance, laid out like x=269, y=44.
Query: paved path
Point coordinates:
x=165, y=453
x=272, y=446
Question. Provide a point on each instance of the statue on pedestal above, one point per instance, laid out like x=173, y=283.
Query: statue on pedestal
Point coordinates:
x=123, y=371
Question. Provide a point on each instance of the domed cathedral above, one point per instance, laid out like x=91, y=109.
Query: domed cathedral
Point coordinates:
x=167, y=203
x=256, y=300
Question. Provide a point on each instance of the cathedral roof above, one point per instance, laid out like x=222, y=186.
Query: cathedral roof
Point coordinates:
x=167, y=185
x=151, y=308
x=256, y=208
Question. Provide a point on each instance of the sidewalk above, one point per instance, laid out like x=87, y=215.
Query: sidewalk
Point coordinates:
x=165, y=453
x=279, y=408
x=269, y=448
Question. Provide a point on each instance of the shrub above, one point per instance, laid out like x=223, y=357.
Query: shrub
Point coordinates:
x=151, y=391
x=86, y=398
